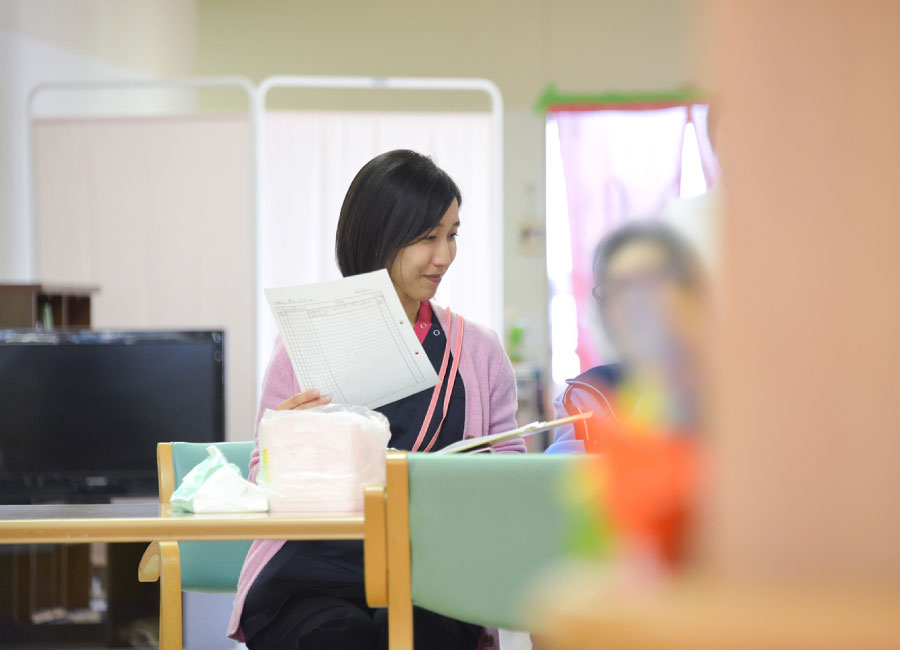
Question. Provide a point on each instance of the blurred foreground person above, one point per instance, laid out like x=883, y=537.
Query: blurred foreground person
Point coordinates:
x=630, y=506
x=649, y=289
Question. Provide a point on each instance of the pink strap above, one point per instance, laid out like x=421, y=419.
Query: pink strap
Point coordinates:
x=453, y=370
x=437, y=389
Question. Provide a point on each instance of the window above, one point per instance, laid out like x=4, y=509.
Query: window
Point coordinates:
x=603, y=168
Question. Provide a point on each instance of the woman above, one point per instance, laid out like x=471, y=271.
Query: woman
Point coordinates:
x=648, y=286
x=401, y=213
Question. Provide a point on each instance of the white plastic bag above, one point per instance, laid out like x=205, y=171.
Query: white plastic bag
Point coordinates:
x=215, y=485
x=319, y=460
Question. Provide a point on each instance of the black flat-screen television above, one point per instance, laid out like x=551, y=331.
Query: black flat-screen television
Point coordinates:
x=81, y=411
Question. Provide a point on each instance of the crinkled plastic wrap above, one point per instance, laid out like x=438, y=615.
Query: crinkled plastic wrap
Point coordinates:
x=319, y=460
x=215, y=485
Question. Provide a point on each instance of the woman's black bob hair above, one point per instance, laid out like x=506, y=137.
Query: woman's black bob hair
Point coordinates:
x=395, y=199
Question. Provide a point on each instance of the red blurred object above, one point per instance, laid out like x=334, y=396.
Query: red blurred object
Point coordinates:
x=653, y=482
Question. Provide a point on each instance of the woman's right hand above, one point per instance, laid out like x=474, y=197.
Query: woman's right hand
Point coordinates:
x=305, y=400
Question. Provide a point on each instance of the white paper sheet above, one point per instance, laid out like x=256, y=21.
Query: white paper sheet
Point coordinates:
x=351, y=339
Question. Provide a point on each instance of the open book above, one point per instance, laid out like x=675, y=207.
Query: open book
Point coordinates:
x=474, y=445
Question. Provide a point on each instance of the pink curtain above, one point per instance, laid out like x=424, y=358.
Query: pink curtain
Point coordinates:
x=619, y=165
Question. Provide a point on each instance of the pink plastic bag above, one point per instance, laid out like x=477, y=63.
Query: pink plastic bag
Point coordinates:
x=319, y=460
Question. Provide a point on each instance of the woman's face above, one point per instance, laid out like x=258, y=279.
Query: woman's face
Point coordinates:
x=419, y=267
x=649, y=315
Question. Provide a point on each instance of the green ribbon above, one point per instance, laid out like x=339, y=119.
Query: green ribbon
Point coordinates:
x=552, y=98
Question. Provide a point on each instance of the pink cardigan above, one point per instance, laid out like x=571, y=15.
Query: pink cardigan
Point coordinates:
x=490, y=386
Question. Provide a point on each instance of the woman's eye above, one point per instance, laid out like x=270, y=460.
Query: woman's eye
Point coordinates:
x=429, y=238
x=454, y=235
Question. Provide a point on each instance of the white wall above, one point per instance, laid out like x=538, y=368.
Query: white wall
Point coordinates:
x=76, y=40
x=25, y=61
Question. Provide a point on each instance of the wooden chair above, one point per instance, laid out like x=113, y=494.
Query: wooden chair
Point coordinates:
x=463, y=536
x=211, y=567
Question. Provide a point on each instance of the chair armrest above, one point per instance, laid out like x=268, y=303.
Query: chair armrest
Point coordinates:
x=160, y=558
x=148, y=569
x=375, y=547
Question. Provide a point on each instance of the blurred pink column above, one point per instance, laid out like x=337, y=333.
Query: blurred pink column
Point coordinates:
x=807, y=411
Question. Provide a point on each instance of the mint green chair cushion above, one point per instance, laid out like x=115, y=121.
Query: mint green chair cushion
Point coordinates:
x=482, y=527
x=210, y=566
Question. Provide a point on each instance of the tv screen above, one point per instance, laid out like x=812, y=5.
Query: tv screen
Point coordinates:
x=94, y=404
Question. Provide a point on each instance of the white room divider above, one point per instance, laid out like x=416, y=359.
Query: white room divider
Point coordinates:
x=184, y=219
x=306, y=161
x=159, y=212
x=310, y=159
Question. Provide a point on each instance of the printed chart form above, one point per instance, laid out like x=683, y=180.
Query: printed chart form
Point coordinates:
x=351, y=339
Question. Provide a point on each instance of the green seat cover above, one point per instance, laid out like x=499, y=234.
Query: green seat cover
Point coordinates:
x=210, y=566
x=482, y=527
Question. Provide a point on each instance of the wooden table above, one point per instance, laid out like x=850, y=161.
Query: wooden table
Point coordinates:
x=162, y=528
x=141, y=522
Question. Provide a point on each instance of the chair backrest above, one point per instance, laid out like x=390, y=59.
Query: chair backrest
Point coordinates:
x=482, y=527
x=207, y=566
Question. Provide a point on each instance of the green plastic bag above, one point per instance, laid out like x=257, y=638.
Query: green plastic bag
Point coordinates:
x=215, y=485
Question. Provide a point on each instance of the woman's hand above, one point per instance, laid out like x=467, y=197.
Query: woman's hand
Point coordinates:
x=305, y=400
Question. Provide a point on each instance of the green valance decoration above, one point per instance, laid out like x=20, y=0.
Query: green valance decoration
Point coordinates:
x=552, y=100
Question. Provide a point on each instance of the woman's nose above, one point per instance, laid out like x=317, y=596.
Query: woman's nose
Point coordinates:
x=441, y=256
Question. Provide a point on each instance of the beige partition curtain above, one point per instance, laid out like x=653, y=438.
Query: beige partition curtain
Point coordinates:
x=158, y=213
x=309, y=159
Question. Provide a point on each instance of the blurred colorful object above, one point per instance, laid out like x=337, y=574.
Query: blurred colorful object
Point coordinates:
x=637, y=496
x=653, y=482
x=591, y=533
